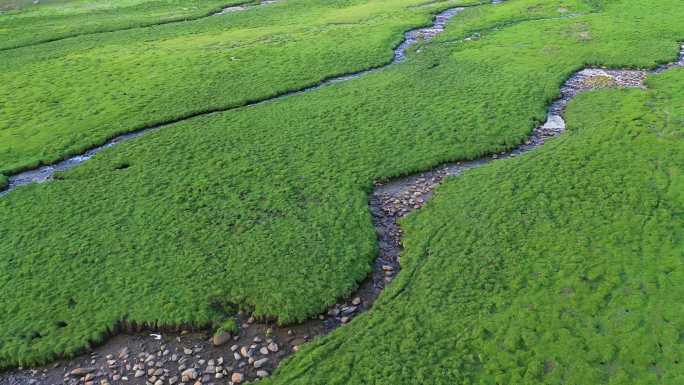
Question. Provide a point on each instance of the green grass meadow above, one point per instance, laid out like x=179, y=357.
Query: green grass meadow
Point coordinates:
x=562, y=266
x=61, y=98
x=25, y=23
x=556, y=267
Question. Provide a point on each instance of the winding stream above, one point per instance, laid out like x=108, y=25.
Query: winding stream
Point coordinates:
x=396, y=198
x=46, y=173
x=138, y=357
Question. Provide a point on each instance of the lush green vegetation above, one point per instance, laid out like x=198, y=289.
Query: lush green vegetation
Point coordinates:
x=227, y=326
x=266, y=207
x=25, y=23
x=553, y=268
x=64, y=97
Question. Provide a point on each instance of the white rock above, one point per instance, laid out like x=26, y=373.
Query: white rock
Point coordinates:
x=260, y=363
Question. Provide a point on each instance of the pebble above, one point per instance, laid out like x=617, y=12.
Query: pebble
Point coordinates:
x=244, y=351
x=190, y=374
x=80, y=372
x=237, y=378
x=348, y=310
x=123, y=353
x=260, y=363
x=222, y=338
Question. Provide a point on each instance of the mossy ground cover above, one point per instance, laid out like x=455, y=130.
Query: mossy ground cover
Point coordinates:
x=266, y=207
x=60, y=98
x=24, y=22
x=563, y=266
